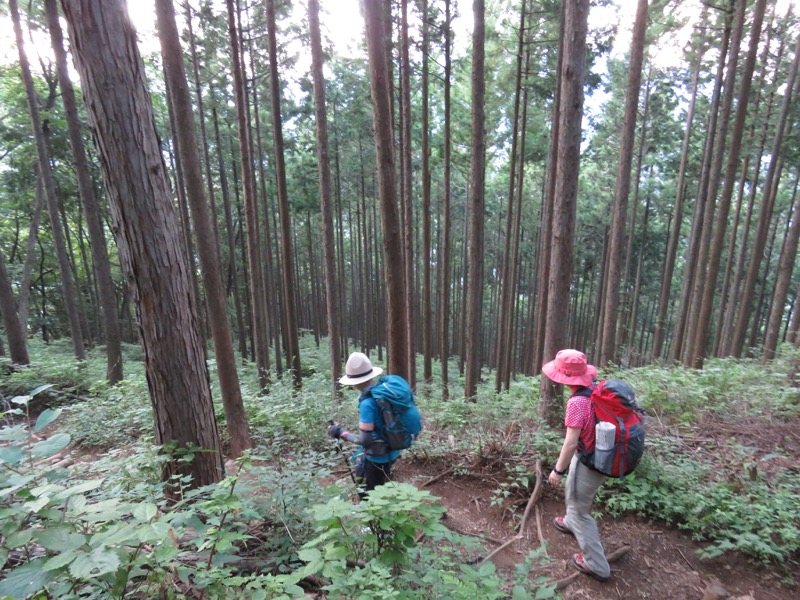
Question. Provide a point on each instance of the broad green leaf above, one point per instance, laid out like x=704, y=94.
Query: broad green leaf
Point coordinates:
x=145, y=511
x=59, y=561
x=40, y=389
x=19, y=538
x=520, y=593
x=25, y=580
x=13, y=434
x=36, y=505
x=116, y=535
x=46, y=490
x=11, y=455
x=81, y=488
x=47, y=417
x=153, y=532
x=76, y=505
x=60, y=539
x=98, y=562
x=21, y=399
x=51, y=445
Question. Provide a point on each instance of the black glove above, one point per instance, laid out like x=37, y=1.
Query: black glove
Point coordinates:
x=335, y=431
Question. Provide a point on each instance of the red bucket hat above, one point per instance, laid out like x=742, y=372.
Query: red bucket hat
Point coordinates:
x=570, y=368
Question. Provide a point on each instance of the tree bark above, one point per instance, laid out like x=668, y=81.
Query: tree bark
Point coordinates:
x=325, y=202
x=444, y=263
x=287, y=253
x=102, y=266
x=619, y=214
x=566, y=193
x=186, y=138
x=707, y=291
x=477, y=204
x=783, y=281
x=118, y=103
x=17, y=340
x=427, y=313
x=30, y=257
x=260, y=327
x=396, y=334
x=70, y=297
x=765, y=214
x=502, y=355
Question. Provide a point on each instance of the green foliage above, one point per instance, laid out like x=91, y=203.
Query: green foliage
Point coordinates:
x=732, y=510
x=371, y=550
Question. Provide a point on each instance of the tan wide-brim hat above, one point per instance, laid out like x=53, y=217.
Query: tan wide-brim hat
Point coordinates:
x=570, y=368
x=359, y=369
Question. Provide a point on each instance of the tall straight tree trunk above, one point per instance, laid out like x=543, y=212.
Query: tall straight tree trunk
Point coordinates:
x=102, y=265
x=444, y=263
x=396, y=334
x=427, y=313
x=260, y=327
x=765, y=214
x=118, y=103
x=792, y=336
x=707, y=291
x=207, y=245
x=576, y=15
x=201, y=117
x=17, y=340
x=70, y=297
x=287, y=254
x=23, y=301
x=786, y=265
x=677, y=212
x=548, y=203
x=231, y=239
x=406, y=190
x=679, y=339
x=619, y=214
x=325, y=202
x=737, y=275
x=503, y=349
x=472, y=356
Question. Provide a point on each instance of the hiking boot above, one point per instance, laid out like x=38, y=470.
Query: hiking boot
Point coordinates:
x=579, y=563
x=561, y=524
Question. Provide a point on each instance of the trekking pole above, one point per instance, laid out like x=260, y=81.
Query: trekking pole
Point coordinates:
x=346, y=461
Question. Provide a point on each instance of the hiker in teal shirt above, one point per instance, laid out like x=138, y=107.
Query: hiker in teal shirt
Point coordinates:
x=374, y=460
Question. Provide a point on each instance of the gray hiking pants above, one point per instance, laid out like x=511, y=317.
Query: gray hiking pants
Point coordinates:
x=582, y=485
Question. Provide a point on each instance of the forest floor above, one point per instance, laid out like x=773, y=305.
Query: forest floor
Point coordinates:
x=661, y=561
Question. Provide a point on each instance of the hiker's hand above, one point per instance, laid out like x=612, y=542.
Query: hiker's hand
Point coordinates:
x=335, y=431
x=554, y=479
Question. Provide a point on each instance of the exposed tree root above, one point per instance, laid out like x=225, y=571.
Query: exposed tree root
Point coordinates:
x=537, y=492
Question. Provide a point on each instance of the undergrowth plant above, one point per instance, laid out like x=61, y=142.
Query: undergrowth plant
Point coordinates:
x=743, y=511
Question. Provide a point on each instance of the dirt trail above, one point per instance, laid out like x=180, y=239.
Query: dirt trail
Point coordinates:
x=661, y=564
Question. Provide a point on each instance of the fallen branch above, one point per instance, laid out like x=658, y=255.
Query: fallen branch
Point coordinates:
x=563, y=583
x=537, y=491
x=439, y=476
x=476, y=535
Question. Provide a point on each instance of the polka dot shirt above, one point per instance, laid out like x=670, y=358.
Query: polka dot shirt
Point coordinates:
x=581, y=416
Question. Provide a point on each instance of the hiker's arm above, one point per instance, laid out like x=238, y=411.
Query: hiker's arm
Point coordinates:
x=567, y=452
x=365, y=437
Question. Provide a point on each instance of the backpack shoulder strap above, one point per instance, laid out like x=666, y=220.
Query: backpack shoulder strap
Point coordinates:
x=586, y=392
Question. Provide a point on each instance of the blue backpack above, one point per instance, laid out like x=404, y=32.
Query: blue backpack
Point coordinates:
x=401, y=418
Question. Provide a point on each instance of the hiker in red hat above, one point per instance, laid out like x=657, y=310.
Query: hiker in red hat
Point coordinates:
x=571, y=369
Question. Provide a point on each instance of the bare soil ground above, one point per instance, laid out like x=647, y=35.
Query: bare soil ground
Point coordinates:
x=660, y=565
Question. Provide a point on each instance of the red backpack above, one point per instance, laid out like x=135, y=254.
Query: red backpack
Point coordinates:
x=614, y=402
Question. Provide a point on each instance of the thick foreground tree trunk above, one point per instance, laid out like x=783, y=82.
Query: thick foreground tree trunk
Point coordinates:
x=118, y=103
x=207, y=243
